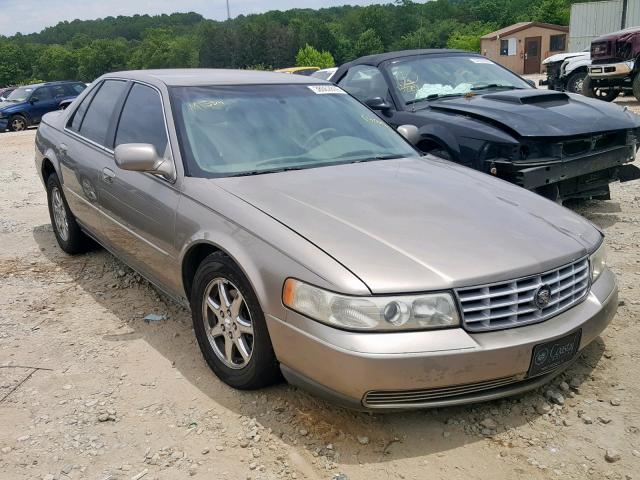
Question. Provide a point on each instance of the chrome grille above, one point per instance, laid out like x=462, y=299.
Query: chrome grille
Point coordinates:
x=398, y=398
x=511, y=304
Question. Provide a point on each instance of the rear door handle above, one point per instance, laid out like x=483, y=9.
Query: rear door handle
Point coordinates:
x=107, y=175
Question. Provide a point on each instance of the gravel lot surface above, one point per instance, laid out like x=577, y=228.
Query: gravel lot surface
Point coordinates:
x=90, y=390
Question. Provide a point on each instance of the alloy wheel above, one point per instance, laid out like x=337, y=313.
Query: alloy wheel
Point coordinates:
x=227, y=323
x=18, y=124
x=59, y=214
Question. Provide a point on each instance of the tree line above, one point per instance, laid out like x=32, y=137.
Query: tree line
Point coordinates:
x=84, y=50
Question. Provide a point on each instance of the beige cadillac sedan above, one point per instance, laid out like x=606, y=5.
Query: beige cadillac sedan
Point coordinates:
x=311, y=240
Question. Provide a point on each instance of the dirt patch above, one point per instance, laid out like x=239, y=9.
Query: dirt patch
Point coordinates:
x=125, y=397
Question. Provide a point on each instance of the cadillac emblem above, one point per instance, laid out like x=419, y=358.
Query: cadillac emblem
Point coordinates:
x=542, y=296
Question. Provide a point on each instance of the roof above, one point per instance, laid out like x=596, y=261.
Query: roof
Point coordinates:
x=376, y=59
x=212, y=76
x=516, y=27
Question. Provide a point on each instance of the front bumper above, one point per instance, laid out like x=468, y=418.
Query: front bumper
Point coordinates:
x=4, y=124
x=620, y=69
x=348, y=367
x=543, y=172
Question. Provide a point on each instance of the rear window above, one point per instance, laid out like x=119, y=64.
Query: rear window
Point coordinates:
x=74, y=88
x=96, y=121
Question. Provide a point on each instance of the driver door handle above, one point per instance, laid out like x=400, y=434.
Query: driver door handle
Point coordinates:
x=107, y=175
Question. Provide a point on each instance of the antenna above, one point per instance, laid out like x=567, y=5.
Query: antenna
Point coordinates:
x=228, y=11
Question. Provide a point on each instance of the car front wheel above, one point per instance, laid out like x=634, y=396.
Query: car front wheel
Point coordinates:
x=17, y=123
x=575, y=82
x=230, y=326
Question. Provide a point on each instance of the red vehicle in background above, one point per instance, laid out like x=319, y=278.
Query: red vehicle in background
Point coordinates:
x=614, y=65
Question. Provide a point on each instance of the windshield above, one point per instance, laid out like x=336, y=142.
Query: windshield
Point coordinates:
x=430, y=77
x=253, y=129
x=20, y=94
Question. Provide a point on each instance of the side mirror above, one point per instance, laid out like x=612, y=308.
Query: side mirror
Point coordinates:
x=142, y=157
x=33, y=100
x=410, y=132
x=378, y=103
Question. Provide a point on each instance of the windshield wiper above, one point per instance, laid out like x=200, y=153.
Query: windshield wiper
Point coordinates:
x=434, y=96
x=491, y=86
x=269, y=170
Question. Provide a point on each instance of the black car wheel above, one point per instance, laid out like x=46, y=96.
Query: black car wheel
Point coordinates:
x=575, y=82
x=636, y=87
x=17, y=123
x=230, y=326
x=604, y=94
x=68, y=234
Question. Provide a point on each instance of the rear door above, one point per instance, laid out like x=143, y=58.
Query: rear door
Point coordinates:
x=140, y=207
x=84, y=152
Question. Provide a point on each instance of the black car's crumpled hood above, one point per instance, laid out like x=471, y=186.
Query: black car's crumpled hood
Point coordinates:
x=540, y=113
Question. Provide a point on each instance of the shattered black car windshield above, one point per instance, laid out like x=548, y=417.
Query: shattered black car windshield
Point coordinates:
x=430, y=77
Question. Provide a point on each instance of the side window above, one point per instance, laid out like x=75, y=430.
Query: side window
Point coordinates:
x=43, y=94
x=142, y=119
x=96, y=121
x=74, y=89
x=364, y=82
x=58, y=91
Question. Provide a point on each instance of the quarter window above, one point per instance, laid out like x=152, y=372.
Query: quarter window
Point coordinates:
x=95, y=123
x=42, y=94
x=142, y=119
x=365, y=82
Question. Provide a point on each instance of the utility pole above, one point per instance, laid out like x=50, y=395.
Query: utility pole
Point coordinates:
x=228, y=11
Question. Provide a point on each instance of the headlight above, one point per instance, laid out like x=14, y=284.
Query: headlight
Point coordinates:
x=388, y=313
x=598, y=262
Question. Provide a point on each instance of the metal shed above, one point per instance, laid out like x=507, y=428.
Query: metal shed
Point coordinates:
x=593, y=19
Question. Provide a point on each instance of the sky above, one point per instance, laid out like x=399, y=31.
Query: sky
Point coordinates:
x=27, y=16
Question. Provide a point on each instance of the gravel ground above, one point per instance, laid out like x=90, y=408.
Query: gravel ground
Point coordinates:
x=89, y=389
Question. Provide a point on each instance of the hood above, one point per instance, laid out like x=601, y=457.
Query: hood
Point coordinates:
x=540, y=113
x=7, y=105
x=620, y=35
x=420, y=224
x=559, y=57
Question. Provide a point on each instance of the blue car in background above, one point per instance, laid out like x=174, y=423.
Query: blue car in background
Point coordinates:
x=26, y=105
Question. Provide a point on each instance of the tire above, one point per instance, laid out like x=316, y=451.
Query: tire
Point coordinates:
x=217, y=324
x=70, y=237
x=18, y=123
x=575, y=82
x=606, y=95
x=636, y=87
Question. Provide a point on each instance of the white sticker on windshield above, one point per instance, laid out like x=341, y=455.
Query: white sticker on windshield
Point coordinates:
x=324, y=89
x=480, y=60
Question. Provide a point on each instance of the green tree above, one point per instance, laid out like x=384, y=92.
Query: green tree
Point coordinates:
x=310, y=57
x=102, y=56
x=468, y=36
x=57, y=63
x=161, y=49
x=368, y=42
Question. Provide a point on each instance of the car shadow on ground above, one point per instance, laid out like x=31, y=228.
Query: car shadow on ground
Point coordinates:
x=284, y=409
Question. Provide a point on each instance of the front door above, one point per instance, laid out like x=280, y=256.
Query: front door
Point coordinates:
x=532, y=55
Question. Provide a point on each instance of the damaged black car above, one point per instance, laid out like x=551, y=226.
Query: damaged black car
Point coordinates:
x=464, y=107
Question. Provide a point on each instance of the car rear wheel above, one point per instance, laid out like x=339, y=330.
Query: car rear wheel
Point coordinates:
x=68, y=234
x=575, y=82
x=604, y=94
x=230, y=326
x=17, y=123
